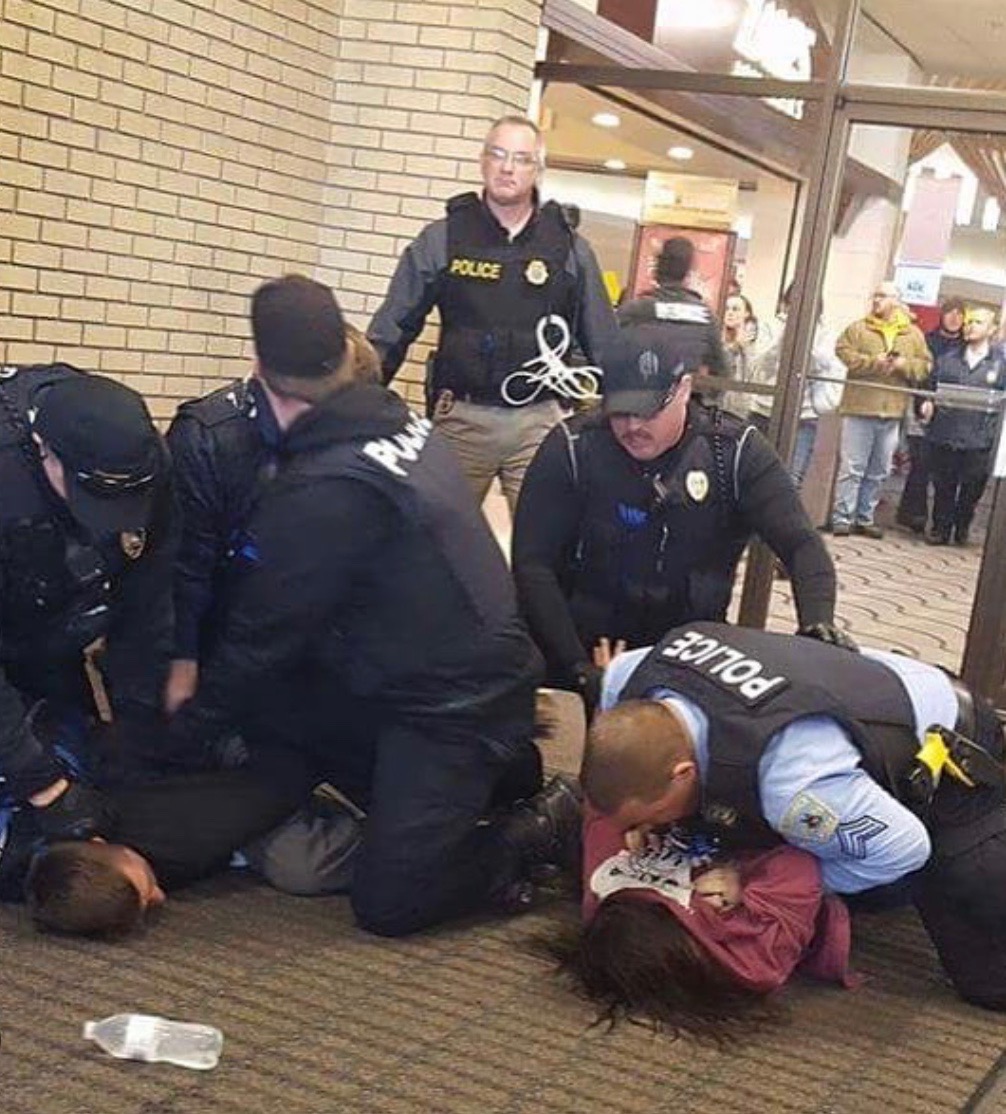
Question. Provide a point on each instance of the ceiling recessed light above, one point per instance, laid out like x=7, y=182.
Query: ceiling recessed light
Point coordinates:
x=614, y=164
x=683, y=154
x=605, y=120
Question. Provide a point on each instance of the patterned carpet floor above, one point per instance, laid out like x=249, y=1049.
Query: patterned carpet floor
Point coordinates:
x=320, y=1018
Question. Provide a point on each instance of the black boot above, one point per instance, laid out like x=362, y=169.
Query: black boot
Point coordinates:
x=544, y=830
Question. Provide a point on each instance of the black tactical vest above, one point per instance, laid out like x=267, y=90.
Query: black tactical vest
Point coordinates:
x=659, y=543
x=55, y=587
x=433, y=627
x=751, y=684
x=227, y=463
x=236, y=452
x=493, y=294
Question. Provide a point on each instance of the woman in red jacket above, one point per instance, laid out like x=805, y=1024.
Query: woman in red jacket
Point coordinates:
x=676, y=935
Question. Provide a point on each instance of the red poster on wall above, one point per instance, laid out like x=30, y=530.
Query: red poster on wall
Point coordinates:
x=714, y=255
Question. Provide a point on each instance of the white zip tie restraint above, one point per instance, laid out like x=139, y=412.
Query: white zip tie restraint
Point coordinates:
x=547, y=372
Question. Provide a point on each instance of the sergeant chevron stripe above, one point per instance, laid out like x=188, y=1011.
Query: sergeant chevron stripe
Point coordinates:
x=854, y=835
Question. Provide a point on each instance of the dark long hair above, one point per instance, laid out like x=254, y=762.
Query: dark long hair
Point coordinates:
x=637, y=962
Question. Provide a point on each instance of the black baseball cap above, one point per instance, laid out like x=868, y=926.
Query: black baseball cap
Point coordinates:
x=103, y=435
x=641, y=371
x=298, y=328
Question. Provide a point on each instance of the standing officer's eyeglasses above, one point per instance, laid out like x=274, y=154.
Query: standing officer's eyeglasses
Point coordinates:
x=522, y=160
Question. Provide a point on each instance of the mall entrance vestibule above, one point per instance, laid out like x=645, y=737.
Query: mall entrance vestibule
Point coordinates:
x=793, y=139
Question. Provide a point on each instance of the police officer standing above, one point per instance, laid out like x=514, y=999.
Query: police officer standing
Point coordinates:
x=844, y=755
x=85, y=553
x=516, y=288
x=691, y=325
x=368, y=561
x=634, y=518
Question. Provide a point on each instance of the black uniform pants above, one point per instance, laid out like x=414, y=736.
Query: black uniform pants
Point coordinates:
x=959, y=479
x=428, y=852
x=961, y=892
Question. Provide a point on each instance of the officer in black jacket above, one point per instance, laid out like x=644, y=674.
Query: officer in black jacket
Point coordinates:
x=634, y=519
x=692, y=328
x=881, y=766
x=368, y=561
x=86, y=531
x=516, y=287
x=224, y=447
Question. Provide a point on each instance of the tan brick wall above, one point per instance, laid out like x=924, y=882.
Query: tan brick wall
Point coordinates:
x=416, y=86
x=159, y=158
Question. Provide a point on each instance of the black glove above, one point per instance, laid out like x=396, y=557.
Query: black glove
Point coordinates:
x=79, y=812
x=828, y=632
x=190, y=745
x=588, y=678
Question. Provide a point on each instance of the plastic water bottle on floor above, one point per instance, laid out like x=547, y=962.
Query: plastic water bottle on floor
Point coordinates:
x=140, y=1036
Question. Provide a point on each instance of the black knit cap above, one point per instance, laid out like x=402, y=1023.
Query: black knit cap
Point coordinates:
x=103, y=435
x=298, y=328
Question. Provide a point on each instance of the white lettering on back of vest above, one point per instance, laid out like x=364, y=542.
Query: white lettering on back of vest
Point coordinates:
x=391, y=452
x=730, y=667
x=686, y=313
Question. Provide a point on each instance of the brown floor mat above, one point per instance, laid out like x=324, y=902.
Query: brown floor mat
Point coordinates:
x=318, y=1017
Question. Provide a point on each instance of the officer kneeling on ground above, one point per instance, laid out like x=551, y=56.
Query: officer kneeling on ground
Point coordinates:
x=367, y=558
x=85, y=553
x=225, y=447
x=634, y=518
x=879, y=765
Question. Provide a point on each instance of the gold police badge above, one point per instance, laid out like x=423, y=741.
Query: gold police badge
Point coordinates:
x=536, y=272
x=133, y=543
x=697, y=485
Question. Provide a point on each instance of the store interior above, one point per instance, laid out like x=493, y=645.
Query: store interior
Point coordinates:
x=604, y=144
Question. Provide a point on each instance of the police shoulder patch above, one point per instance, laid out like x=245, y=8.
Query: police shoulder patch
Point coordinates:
x=809, y=820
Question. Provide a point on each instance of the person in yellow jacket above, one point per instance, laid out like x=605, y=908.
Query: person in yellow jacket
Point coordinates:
x=883, y=350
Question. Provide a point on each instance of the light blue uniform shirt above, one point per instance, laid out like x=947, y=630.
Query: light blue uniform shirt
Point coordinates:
x=813, y=790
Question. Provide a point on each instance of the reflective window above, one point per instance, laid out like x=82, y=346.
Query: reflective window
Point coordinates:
x=786, y=39
x=931, y=42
